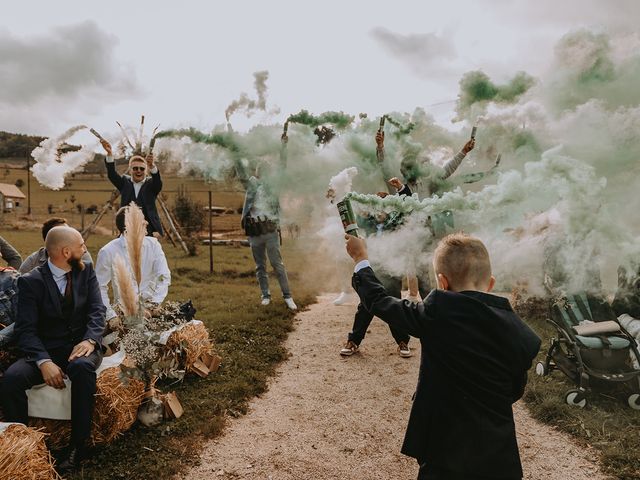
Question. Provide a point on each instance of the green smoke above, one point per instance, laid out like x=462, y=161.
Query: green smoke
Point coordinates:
x=338, y=119
x=226, y=140
x=477, y=87
x=586, y=68
x=402, y=130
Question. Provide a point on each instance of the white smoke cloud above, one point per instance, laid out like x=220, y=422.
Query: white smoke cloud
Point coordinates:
x=52, y=166
x=251, y=105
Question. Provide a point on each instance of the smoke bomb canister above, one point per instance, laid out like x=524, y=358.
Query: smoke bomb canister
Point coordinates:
x=382, y=119
x=96, y=134
x=347, y=216
x=473, y=132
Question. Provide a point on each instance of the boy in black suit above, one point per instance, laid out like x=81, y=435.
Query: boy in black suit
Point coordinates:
x=475, y=357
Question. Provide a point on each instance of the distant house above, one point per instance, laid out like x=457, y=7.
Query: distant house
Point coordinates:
x=10, y=195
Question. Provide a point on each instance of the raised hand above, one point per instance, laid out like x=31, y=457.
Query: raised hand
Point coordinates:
x=107, y=147
x=396, y=183
x=468, y=146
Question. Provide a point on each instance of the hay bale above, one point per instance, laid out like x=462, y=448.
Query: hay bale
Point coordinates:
x=115, y=411
x=189, y=343
x=116, y=405
x=24, y=455
x=58, y=431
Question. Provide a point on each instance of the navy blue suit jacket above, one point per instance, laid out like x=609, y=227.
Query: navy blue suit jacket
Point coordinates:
x=146, y=199
x=40, y=324
x=475, y=355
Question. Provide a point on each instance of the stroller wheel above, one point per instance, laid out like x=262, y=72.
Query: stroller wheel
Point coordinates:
x=576, y=398
x=634, y=401
x=541, y=369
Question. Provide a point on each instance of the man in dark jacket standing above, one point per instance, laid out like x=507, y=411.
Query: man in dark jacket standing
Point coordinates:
x=138, y=188
x=475, y=357
x=59, y=327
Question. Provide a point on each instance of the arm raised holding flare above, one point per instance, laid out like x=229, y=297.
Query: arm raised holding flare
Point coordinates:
x=137, y=188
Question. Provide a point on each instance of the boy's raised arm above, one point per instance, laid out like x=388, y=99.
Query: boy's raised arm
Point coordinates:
x=412, y=318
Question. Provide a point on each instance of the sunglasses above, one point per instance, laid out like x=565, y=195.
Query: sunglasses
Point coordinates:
x=138, y=169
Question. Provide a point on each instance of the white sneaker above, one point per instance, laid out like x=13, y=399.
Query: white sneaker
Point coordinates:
x=341, y=299
x=413, y=299
x=404, y=350
x=290, y=303
x=265, y=301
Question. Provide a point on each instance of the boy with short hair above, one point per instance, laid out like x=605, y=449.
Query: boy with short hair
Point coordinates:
x=475, y=357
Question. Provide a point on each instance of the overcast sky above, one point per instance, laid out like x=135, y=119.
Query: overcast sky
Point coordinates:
x=181, y=63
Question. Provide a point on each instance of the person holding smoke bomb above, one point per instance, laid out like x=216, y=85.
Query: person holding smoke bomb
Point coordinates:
x=377, y=225
x=138, y=187
x=260, y=221
x=475, y=355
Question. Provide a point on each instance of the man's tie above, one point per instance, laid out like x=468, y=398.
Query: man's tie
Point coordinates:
x=68, y=289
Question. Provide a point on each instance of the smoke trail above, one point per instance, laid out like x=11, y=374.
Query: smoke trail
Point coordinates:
x=401, y=129
x=565, y=172
x=340, y=184
x=338, y=119
x=52, y=166
x=477, y=88
x=248, y=104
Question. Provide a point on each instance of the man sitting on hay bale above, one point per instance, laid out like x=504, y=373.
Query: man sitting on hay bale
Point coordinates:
x=59, y=326
x=156, y=276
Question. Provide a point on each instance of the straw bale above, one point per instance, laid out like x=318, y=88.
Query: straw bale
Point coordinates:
x=115, y=411
x=193, y=340
x=24, y=455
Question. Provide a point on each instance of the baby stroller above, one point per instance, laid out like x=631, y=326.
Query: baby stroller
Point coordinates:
x=591, y=345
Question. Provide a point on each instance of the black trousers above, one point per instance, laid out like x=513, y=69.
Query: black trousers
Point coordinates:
x=23, y=375
x=363, y=317
x=436, y=473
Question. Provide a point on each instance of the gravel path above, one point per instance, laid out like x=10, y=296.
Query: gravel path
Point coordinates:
x=327, y=417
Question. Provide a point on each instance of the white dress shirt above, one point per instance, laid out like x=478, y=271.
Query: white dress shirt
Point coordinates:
x=360, y=265
x=59, y=276
x=156, y=276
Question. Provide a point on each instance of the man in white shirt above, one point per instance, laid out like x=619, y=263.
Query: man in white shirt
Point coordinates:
x=156, y=276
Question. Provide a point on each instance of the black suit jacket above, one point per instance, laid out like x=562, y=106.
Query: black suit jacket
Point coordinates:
x=40, y=324
x=475, y=355
x=146, y=199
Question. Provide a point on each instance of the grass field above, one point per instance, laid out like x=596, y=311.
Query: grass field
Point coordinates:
x=248, y=337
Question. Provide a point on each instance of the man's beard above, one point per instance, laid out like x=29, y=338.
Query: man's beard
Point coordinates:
x=76, y=264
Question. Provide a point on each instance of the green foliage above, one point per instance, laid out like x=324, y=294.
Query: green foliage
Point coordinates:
x=189, y=213
x=17, y=144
